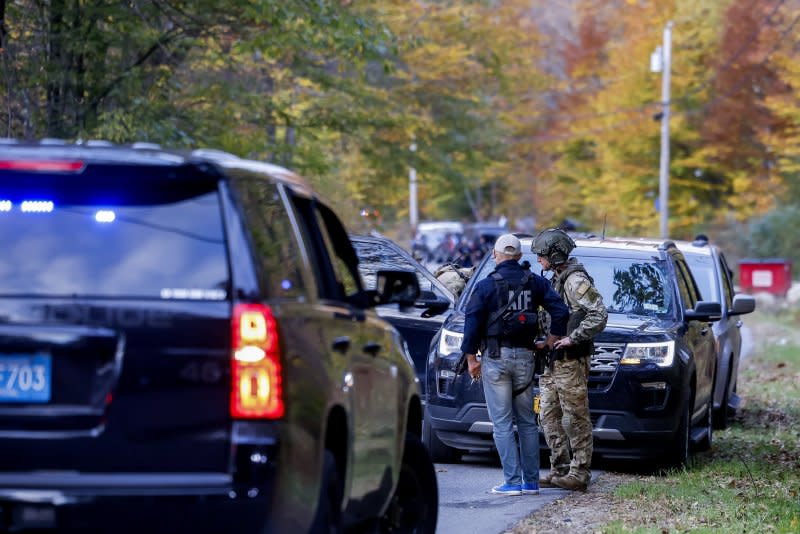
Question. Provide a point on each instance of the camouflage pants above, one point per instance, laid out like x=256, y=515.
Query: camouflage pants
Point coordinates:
x=564, y=415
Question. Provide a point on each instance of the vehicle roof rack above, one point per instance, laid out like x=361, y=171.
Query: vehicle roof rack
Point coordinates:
x=582, y=235
x=144, y=145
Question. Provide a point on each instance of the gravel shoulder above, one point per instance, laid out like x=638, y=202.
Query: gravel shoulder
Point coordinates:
x=579, y=512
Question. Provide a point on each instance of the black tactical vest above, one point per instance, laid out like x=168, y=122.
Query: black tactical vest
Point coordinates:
x=515, y=323
x=584, y=348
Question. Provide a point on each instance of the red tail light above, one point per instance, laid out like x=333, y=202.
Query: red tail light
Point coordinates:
x=256, y=388
x=44, y=165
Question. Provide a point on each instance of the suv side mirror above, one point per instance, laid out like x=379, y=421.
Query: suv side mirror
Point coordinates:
x=401, y=287
x=705, y=310
x=743, y=304
x=434, y=305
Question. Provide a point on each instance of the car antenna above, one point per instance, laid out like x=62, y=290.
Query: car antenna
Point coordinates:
x=605, y=216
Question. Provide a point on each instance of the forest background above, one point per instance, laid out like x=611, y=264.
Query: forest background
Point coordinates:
x=536, y=110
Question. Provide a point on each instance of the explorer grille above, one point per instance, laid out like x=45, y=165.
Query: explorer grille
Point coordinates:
x=605, y=361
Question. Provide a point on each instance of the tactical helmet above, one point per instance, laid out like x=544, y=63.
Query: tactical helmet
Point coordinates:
x=553, y=244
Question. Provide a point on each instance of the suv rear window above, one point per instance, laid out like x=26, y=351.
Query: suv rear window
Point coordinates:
x=81, y=243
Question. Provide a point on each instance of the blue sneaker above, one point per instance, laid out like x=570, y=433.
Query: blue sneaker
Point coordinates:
x=530, y=488
x=508, y=489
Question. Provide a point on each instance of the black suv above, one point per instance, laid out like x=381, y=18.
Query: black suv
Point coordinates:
x=715, y=281
x=420, y=322
x=652, y=372
x=185, y=346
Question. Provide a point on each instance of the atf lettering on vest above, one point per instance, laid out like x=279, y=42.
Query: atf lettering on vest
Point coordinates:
x=515, y=323
x=523, y=301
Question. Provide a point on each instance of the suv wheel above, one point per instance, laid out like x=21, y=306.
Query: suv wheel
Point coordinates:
x=721, y=415
x=415, y=503
x=680, y=445
x=329, y=506
x=708, y=440
x=440, y=453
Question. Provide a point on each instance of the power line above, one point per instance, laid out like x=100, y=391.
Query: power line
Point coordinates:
x=725, y=66
x=640, y=109
x=573, y=135
x=735, y=87
x=604, y=82
x=617, y=125
x=704, y=108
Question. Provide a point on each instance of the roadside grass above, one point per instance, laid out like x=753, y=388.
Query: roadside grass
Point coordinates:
x=750, y=481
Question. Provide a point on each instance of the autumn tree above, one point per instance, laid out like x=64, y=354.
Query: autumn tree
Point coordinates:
x=742, y=78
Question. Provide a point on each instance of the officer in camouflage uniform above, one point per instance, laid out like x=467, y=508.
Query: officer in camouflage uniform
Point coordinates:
x=454, y=277
x=563, y=384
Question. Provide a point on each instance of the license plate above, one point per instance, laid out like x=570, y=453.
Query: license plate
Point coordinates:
x=25, y=378
x=536, y=406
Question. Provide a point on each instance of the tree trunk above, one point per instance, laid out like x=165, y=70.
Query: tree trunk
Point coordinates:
x=56, y=73
x=289, y=141
x=2, y=23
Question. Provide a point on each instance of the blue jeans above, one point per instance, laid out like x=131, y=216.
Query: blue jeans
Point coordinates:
x=501, y=376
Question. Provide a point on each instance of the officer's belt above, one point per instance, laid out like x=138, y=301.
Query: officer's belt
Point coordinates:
x=503, y=343
x=564, y=354
x=508, y=345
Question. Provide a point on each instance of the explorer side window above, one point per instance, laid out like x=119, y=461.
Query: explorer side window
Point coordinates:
x=686, y=285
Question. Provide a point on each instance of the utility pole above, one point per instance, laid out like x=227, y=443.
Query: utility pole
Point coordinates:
x=412, y=195
x=663, y=174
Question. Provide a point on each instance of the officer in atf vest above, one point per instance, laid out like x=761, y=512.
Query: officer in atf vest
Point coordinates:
x=563, y=385
x=501, y=320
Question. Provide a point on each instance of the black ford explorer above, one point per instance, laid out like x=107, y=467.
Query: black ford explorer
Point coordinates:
x=652, y=371
x=185, y=346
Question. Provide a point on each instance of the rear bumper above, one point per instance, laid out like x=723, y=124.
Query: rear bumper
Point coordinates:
x=236, y=500
x=132, y=503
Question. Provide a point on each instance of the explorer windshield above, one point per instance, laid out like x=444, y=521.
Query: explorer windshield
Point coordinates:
x=629, y=286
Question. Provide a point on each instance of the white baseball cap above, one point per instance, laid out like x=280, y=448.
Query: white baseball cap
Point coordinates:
x=508, y=244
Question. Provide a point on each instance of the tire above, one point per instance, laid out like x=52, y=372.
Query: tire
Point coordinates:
x=328, y=519
x=680, y=444
x=721, y=419
x=414, y=506
x=439, y=452
x=706, y=443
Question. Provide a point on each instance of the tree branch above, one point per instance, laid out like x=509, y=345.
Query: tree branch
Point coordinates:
x=161, y=42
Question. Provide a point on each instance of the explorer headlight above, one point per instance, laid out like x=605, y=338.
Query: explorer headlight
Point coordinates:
x=662, y=353
x=450, y=342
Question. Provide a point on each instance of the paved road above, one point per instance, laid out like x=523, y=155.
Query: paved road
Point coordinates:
x=466, y=505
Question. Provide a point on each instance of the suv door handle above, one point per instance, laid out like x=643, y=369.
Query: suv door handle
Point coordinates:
x=341, y=344
x=372, y=348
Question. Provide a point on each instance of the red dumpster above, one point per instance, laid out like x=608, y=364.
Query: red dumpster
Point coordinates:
x=773, y=275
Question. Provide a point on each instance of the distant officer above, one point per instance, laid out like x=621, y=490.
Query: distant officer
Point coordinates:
x=563, y=385
x=454, y=277
x=507, y=357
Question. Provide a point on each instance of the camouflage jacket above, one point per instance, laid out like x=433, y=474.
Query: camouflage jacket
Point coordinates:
x=577, y=289
x=454, y=277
